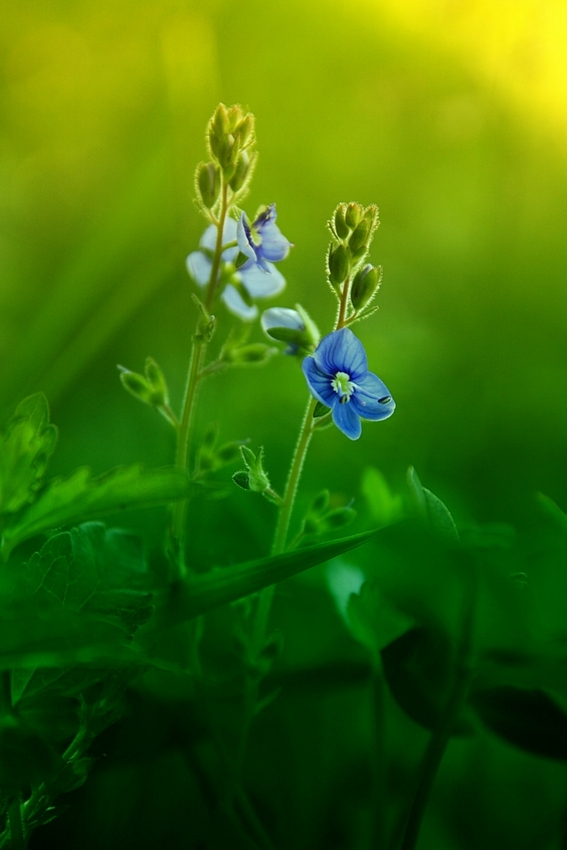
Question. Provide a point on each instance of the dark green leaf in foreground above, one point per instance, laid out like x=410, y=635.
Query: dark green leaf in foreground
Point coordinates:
x=531, y=719
x=78, y=601
x=69, y=500
x=25, y=449
x=196, y=595
x=419, y=670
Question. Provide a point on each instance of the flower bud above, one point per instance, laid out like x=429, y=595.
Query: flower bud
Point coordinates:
x=241, y=172
x=217, y=130
x=359, y=236
x=244, y=131
x=258, y=480
x=364, y=286
x=341, y=227
x=255, y=352
x=338, y=262
x=353, y=214
x=157, y=382
x=208, y=183
x=137, y=386
x=242, y=479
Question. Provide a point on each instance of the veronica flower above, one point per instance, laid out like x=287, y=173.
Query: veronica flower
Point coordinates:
x=262, y=241
x=337, y=375
x=256, y=281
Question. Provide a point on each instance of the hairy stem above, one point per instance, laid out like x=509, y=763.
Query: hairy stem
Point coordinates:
x=194, y=375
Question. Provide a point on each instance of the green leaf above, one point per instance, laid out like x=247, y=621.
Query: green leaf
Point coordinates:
x=552, y=511
x=68, y=500
x=531, y=719
x=385, y=508
x=373, y=620
x=418, y=668
x=25, y=449
x=196, y=595
x=431, y=509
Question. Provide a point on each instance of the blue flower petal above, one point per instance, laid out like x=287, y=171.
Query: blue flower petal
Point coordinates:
x=318, y=383
x=244, y=237
x=366, y=398
x=260, y=284
x=236, y=304
x=341, y=351
x=347, y=420
x=274, y=245
x=199, y=267
x=282, y=317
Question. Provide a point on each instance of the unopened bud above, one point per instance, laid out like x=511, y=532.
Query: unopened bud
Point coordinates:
x=341, y=227
x=255, y=352
x=359, y=237
x=137, y=386
x=353, y=214
x=320, y=502
x=208, y=183
x=244, y=130
x=157, y=382
x=241, y=479
x=364, y=286
x=258, y=480
x=241, y=172
x=338, y=263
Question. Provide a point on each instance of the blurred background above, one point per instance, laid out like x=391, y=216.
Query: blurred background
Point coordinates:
x=451, y=115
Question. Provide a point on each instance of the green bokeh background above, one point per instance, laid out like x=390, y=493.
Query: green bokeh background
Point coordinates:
x=451, y=116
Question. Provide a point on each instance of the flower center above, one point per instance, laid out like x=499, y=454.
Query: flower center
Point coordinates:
x=343, y=385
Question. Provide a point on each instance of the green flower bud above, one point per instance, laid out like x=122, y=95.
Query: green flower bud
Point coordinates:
x=242, y=479
x=339, y=263
x=340, y=226
x=359, y=237
x=338, y=518
x=227, y=453
x=208, y=183
x=157, y=382
x=258, y=480
x=137, y=386
x=234, y=116
x=364, y=286
x=241, y=172
x=217, y=130
x=244, y=131
x=320, y=502
x=255, y=352
x=353, y=214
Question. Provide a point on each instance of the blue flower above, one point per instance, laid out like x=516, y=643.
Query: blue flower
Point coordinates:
x=337, y=375
x=257, y=282
x=262, y=241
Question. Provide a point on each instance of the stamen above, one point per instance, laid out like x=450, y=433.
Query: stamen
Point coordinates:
x=342, y=385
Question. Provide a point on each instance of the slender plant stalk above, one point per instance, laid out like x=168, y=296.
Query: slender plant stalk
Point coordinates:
x=194, y=376
x=441, y=735
x=16, y=828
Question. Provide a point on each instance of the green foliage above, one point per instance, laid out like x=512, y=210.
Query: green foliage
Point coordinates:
x=25, y=449
x=80, y=496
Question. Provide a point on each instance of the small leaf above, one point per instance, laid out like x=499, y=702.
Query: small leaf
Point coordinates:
x=68, y=500
x=373, y=620
x=531, y=719
x=431, y=509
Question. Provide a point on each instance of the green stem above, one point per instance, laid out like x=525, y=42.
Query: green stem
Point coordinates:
x=16, y=829
x=442, y=733
x=194, y=376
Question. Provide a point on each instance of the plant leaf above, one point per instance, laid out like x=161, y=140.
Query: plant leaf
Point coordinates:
x=431, y=509
x=196, y=595
x=531, y=719
x=78, y=497
x=25, y=449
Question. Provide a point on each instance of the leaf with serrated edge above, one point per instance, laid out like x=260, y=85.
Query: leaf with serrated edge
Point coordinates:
x=80, y=497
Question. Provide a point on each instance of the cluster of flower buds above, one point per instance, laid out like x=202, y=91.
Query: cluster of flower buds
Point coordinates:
x=321, y=518
x=230, y=137
x=352, y=228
